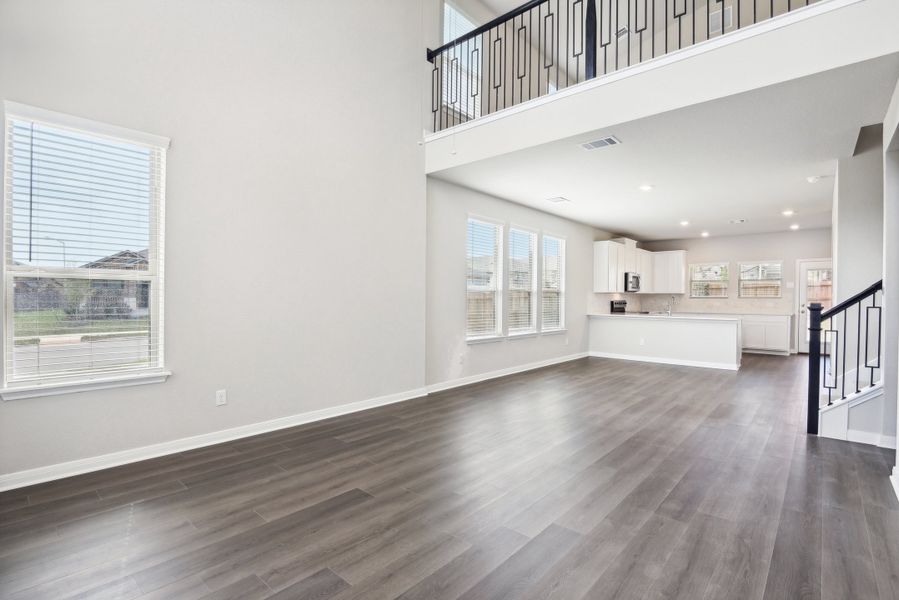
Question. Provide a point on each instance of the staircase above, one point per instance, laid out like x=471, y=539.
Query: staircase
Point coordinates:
x=845, y=391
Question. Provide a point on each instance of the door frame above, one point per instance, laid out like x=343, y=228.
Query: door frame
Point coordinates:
x=797, y=315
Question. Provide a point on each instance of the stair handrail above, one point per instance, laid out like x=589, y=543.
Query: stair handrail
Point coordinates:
x=816, y=316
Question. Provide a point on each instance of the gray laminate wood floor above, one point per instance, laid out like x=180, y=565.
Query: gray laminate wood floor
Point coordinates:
x=592, y=479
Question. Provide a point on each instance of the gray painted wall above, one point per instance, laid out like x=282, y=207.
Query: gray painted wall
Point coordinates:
x=449, y=356
x=293, y=169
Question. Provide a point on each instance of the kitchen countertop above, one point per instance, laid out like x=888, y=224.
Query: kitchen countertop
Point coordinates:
x=678, y=316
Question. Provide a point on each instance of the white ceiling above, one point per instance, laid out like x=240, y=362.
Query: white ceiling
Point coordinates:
x=746, y=156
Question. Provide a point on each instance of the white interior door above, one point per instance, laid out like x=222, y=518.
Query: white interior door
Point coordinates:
x=815, y=284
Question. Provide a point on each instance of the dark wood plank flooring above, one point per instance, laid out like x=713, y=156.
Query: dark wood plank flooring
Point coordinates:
x=592, y=479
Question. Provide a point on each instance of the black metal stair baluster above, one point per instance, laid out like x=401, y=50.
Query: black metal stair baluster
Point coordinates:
x=858, y=346
x=843, y=386
x=813, y=398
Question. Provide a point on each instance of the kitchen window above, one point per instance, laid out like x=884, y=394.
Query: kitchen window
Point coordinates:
x=553, y=284
x=761, y=279
x=83, y=258
x=709, y=280
x=522, y=281
x=484, y=279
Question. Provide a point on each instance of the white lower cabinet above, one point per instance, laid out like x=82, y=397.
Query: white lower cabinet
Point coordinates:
x=766, y=333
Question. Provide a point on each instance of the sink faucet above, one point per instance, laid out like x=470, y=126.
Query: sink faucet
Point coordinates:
x=670, y=305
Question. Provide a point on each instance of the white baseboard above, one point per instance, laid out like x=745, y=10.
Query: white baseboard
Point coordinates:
x=454, y=383
x=895, y=480
x=668, y=361
x=863, y=437
x=20, y=479
x=887, y=441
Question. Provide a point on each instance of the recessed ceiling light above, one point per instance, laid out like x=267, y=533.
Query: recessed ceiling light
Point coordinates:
x=558, y=199
x=646, y=187
x=684, y=223
x=737, y=221
x=704, y=234
x=813, y=178
x=788, y=213
x=794, y=226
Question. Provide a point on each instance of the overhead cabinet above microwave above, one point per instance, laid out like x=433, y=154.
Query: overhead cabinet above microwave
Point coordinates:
x=659, y=272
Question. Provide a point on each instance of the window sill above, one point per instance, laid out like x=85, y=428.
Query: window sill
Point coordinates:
x=36, y=390
x=522, y=334
x=554, y=331
x=485, y=340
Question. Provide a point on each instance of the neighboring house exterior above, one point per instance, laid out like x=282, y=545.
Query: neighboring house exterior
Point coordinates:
x=134, y=294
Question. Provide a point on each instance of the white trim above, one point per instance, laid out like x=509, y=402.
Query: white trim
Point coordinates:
x=86, y=465
x=454, y=383
x=33, y=113
x=863, y=437
x=887, y=441
x=894, y=479
x=745, y=33
x=55, y=388
x=668, y=361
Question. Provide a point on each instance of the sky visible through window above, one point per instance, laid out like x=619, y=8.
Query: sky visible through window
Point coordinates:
x=76, y=198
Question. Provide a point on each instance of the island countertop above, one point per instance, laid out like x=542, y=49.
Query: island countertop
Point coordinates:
x=689, y=316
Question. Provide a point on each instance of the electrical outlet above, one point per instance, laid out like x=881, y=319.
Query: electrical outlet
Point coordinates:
x=642, y=341
x=221, y=397
x=566, y=340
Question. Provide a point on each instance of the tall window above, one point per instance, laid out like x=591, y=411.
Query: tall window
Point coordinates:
x=553, y=288
x=83, y=204
x=709, y=280
x=761, y=279
x=484, y=258
x=522, y=281
x=461, y=66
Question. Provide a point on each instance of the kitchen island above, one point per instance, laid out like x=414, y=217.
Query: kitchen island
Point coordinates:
x=679, y=339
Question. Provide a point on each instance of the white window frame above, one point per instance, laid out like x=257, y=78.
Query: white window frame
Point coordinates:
x=499, y=303
x=25, y=388
x=756, y=263
x=535, y=239
x=563, y=260
x=719, y=263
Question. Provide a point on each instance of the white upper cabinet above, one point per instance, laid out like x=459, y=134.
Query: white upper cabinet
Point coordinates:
x=669, y=272
x=645, y=270
x=608, y=267
x=613, y=258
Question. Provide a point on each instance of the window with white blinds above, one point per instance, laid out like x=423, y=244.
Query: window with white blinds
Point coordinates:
x=553, y=287
x=709, y=280
x=484, y=279
x=83, y=258
x=761, y=279
x=522, y=281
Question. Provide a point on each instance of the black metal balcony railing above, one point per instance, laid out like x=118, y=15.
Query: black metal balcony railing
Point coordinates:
x=547, y=45
x=847, y=335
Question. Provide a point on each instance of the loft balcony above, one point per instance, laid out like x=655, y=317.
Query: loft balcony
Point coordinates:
x=558, y=69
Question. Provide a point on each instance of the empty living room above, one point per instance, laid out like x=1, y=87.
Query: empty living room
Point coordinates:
x=449, y=299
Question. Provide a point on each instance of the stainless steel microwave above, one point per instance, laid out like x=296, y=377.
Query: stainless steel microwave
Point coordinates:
x=631, y=282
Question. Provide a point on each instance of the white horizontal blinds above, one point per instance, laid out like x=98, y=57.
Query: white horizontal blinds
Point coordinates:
x=461, y=68
x=709, y=280
x=484, y=278
x=761, y=279
x=83, y=253
x=553, y=286
x=522, y=280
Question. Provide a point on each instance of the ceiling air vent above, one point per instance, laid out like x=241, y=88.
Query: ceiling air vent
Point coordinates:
x=601, y=143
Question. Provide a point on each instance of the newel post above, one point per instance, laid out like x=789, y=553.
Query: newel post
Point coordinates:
x=590, y=38
x=814, y=367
